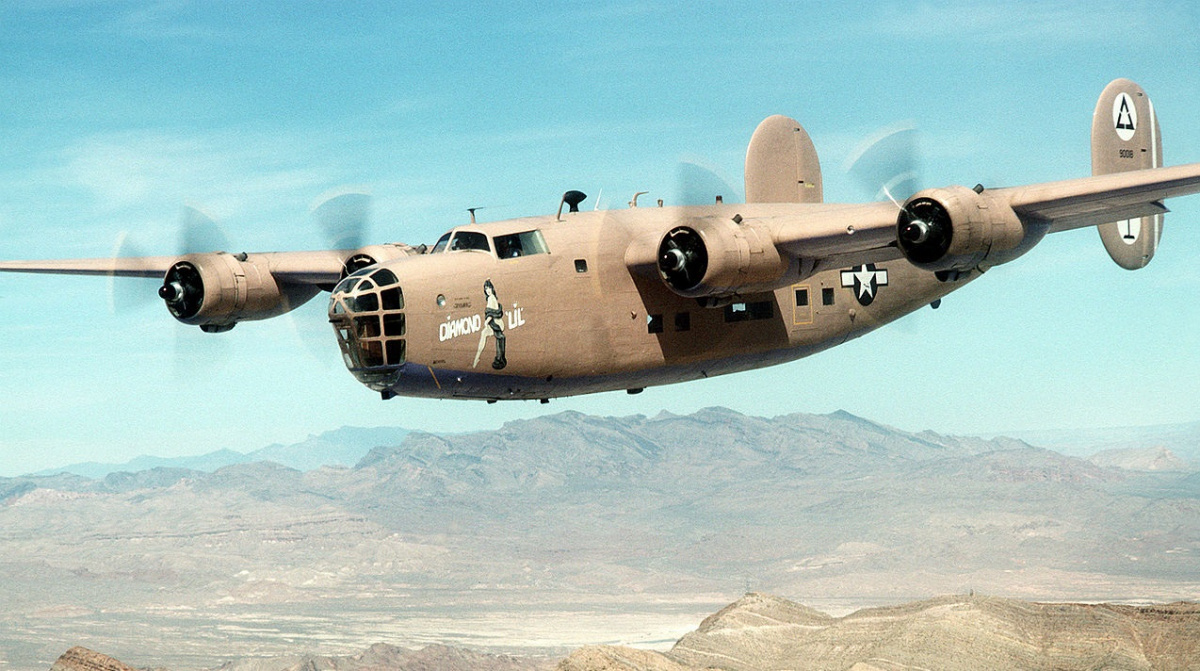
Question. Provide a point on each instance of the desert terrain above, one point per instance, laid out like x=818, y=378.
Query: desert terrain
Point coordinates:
x=566, y=531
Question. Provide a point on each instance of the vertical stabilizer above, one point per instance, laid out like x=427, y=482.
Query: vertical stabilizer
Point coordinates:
x=1125, y=136
x=782, y=164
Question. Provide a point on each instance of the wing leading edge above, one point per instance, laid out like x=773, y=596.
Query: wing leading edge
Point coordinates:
x=831, y=236
x=296, y=268
x=1101, y=199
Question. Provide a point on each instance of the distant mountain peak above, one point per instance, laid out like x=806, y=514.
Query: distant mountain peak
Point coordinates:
x=1157, y=458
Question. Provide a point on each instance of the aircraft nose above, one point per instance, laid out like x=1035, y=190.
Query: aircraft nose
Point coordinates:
x=366, y=310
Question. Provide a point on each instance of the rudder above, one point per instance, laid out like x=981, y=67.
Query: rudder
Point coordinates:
x=1125, y=136
x=782, y=164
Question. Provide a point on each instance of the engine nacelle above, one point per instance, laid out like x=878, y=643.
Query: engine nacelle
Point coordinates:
x=373, y=254
x=216, y=291
x=719, y=257
x=957, y=228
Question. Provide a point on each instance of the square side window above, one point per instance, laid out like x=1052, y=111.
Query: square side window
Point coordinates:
x=736, y=312
x=761, y=310
x=654, y=323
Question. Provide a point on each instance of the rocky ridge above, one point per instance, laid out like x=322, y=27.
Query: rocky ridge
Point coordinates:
x=760, y=632
x=947, y=634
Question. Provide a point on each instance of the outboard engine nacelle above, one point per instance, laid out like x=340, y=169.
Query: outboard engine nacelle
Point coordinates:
x=216, y=291
x=961, y=229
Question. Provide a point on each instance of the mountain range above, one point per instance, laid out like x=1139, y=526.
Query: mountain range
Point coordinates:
x=1183, y=440
x=1172, y=447
x=572, y=529
x=339, y=447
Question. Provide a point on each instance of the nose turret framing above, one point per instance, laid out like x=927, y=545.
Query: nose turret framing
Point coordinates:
x=367, y=314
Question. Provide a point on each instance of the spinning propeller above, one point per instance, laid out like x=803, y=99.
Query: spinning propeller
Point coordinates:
x=682, y=254
x=888, y=165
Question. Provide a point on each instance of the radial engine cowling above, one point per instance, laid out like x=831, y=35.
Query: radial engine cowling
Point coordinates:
x=216, y=291
x=373, y=254
x=957, y=228
x=719, y=257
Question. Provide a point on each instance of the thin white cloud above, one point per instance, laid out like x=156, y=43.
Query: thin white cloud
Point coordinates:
x=130, y=169
x=161, y=20
x=1021, y=24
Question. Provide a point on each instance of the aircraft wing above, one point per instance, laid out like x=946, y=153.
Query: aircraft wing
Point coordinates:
x=146, y=266
x=841, y=235
x=847, y=235
x=1090, y=201
x=296, y=268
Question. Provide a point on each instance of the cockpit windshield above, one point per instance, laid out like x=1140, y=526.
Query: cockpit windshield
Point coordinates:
x=441, y=244
x=464, y=240
x=457, y=241
x=507, y=246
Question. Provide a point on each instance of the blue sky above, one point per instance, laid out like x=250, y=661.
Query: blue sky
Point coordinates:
x=116, y=114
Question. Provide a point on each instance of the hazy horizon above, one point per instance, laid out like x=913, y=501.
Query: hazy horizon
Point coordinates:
x=118, y=113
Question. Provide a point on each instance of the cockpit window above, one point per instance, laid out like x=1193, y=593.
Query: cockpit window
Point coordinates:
x=469, y=240
x=521, y=244
x=440, y=246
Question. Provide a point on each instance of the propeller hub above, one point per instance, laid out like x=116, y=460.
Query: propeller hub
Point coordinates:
x=916, y=231
x=682, y=259
x=672, y=260
x=924, y=230
x=171, y=292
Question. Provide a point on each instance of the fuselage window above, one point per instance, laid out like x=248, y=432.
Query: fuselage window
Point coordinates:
x=521, y=244
x=740, y=312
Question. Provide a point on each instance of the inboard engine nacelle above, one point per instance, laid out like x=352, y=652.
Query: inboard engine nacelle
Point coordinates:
x=961, y=229
x=373, y=254
x=719, y=257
